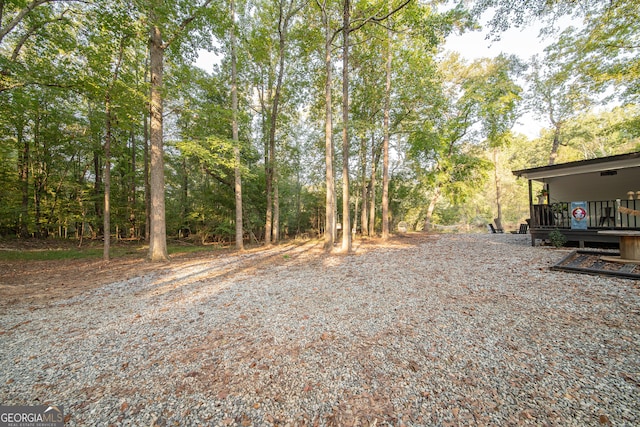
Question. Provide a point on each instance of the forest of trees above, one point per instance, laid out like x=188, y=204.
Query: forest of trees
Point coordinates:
x=320, y=115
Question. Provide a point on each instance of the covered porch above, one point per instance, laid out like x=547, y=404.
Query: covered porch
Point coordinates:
x=609, y=187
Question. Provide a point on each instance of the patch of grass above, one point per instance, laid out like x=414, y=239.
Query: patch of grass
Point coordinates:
x=181, y=249
x=58, y=254
x=68, y=250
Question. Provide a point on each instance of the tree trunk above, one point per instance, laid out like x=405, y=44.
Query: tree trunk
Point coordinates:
x=553, y=156
x=498, y=187
x=346, y=223
x=147, y=184
x=107, y=181
x=132, y=189
x=185, y=192
x=236, y=139
x=267, y=163
x=364, y=217
x=23, y=229
x=385, y=144
x=298, y=197
x=158, y=238
x=372, y=189
x=432, y=206
x=97, y=185
x=268, y=224
x=276, y=210
x=107, y=159
x=330, y=200
x=274, y=227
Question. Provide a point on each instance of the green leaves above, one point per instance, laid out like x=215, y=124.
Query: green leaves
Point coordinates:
x=213, y=152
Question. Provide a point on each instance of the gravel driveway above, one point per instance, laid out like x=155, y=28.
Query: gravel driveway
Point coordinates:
x=429, y=330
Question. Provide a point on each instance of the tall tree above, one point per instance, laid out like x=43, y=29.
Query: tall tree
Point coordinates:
x=107, y=154
x=330, y=187
x=157, y=46
x=346, y=222
x=386, y=130
x=158, y=231
x=106, y=51
x=498, y=96
x=235, y=136
x=477, y=101
x=287, y=10
x=378, y=15
x=556, y=95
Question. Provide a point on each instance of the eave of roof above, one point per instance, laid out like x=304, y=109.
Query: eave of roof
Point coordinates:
x=601, y=164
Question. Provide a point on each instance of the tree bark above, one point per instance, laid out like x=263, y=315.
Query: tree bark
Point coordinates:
x=267, y=167
x=275, y=237
x=234, y=130
x=97, y=185
x=23, y=229
x=268, y=224
x=147, y=184
x=553, y=156
x=498, y=187
x=385, y=144
x=185, y=191
x=372, y=188
x=158, y=231
x=346, y=223
x=364, y=217
x=107, y=180
x=107, y=157
x=132, y=188
x=283, y=24
x=158, y=238
x=432, y=205
x=330, y=197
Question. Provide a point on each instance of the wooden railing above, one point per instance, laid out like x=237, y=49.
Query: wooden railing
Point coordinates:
x=602, y=214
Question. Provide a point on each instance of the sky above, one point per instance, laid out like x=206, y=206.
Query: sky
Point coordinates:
x=521, y=42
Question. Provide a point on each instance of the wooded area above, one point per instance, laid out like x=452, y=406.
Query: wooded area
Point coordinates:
x=320, y=117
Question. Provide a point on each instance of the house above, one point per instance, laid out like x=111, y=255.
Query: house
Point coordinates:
x=581, y=198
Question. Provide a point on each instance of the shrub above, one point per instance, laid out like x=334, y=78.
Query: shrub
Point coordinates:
x=557, y=239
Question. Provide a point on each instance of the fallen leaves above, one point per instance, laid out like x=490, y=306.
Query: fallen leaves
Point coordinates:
x=604, y=420
x=326, y=336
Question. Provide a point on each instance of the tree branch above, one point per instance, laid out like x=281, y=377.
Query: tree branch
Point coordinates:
x=24, y=12
x=33, y=83
x=374, y=18
x=185, y=23
x=32, y=31
x=378, y=19
x=217, y=177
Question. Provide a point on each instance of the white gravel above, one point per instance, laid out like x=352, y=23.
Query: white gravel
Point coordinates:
x=444, y=330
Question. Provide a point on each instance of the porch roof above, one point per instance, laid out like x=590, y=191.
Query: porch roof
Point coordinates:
x=602, y=164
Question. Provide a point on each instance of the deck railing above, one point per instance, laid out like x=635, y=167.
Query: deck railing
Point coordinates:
x=602, y=214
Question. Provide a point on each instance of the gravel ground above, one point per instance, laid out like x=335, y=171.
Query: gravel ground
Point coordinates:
x=439, y=330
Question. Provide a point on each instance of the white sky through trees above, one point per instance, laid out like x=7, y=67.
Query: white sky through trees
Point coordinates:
x=523, y=42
